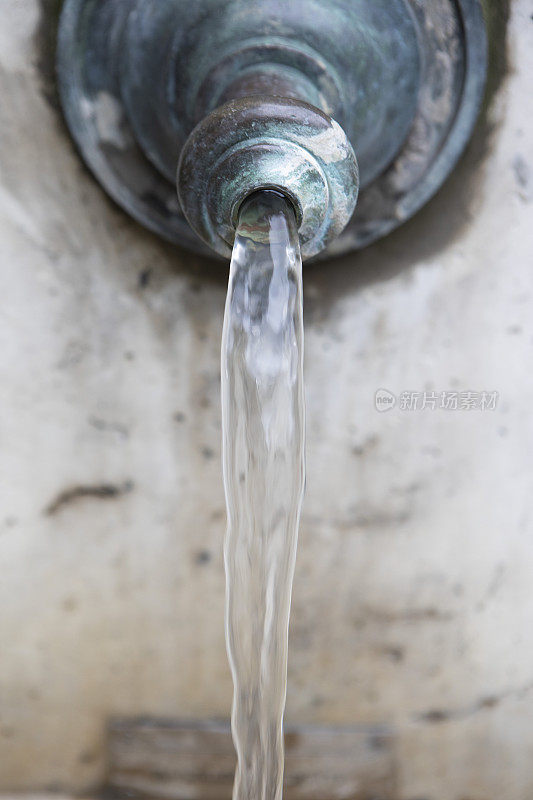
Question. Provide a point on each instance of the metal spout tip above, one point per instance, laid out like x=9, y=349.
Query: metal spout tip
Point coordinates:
x=268, y=143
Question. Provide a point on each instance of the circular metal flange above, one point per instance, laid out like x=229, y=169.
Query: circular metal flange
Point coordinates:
x=357, y=61
x=403, y=77
x=268, y=142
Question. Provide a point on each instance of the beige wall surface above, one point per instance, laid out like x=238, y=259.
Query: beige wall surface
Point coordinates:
x=413, y=599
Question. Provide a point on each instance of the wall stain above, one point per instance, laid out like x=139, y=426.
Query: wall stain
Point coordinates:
x=366, y=517
x=202, y=557
x=390, y=616
x=494, y=586
x=144, y=277
x=69, y=604
x=104, y=425
x=45, y=45
x=436, y=716
x=394, y=653
x=362, y=449
x=103, y=491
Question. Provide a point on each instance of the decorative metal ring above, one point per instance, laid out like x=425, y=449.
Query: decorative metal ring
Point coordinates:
x=268, y=142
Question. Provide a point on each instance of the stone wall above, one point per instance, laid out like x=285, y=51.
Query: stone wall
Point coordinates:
x=413, y=599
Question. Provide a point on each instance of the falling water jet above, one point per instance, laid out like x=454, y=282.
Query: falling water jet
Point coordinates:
x=263, y=459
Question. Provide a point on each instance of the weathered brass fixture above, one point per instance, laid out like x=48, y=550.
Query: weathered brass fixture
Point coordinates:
x=246, y=94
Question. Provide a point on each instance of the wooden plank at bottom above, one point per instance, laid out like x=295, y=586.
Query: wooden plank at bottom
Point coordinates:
x=179, y=760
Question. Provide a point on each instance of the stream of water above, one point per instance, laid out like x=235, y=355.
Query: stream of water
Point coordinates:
x=263, y=460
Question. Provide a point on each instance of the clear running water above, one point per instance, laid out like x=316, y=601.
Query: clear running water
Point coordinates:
x=263, y=458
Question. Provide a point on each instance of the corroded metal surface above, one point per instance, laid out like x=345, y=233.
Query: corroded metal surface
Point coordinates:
x=268, y=142
x=356, y=61
x=403, y=77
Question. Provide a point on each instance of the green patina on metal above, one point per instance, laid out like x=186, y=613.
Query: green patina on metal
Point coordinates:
x=268, y=142
x=275, y=88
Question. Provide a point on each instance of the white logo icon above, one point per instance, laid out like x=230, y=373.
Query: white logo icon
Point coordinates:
x=384, y=400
